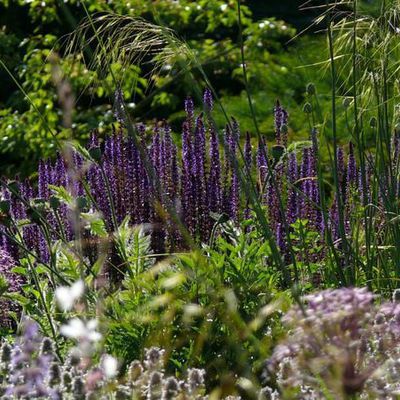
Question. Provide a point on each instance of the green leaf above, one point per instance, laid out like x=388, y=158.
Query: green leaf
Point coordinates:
x=20, y=271
x=17, y=297
x=3, y=284
x=62, y=194
x=96, y=224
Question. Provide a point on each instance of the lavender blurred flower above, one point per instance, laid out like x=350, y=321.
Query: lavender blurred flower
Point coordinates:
x=340, y=341
x=28, y=368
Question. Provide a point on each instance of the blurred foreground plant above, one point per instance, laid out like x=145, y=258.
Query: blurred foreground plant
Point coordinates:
x=340, y=345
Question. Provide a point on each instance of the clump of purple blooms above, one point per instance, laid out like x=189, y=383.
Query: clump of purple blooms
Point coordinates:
x=13, y=282
x=31, y=369
x=340, y=343
x=26, y=366
x=153, y=182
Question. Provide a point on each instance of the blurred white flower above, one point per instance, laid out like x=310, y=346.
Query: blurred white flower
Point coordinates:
x=109, y=365
x=223, y=7
x=79, y=330
x=66, y=296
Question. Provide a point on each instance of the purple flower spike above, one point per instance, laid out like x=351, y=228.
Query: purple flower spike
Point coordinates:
x=189, y=108
x=292, y=176
x=305, y=184
x=14, y=282
x=119, y=109
x=273, y=189
x=280, y=237
x=187, y=186
x=232, y=138
x=281, y=118
x=351, y=167
x=234, y=196
x=44, y=179
x=208, y=99
x=200, y=177
x=262, y=154
x=214, y=180
x=248, y=155
x=341, y=170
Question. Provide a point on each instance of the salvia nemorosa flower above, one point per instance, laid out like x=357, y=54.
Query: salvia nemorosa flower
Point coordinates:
x=281, y=119
x=153, y=182
x=248, y=151
x=119, y=109
x=351, y=177
x=292, y=177
x=233, y=194
x=351, y=186
x=14, y=283
x=340, y=342
x=189, y=108
x=214, y=176
x=208, y=100
x=340, y=170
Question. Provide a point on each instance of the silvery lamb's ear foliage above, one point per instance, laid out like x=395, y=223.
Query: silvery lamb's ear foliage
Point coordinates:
x=396, y=296
x=78, y=388
x=154, y=388
x=154, y=358
x=66, y=381
x=171, y=388
x=54, y=374
x=5, y=354
x=135, y=370
x=47, y=347
x=195, y=380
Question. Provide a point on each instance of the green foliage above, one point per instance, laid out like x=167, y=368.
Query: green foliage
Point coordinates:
x=216, y=306
x=203, y=307
x=208, y=27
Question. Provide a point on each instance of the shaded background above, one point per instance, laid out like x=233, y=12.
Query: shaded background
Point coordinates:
x=31, y=30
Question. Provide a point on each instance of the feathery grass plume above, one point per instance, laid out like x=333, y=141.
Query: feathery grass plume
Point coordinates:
x=127, y=41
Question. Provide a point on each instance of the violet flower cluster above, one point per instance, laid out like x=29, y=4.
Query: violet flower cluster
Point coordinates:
x=13, y=282
x=31, y=369
x=340, y=344
x=149, y=183
x=153, y=182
